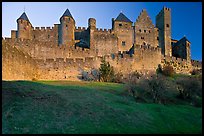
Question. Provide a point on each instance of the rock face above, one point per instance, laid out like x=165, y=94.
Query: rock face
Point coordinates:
x=66, y=51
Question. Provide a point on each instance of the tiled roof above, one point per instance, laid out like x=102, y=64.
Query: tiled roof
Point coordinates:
x=123, y=18
x=24, y=17
x=67, y=13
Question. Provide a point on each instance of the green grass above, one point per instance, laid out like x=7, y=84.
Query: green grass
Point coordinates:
x=88, y=107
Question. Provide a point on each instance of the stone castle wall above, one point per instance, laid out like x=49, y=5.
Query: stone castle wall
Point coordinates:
x=17, y=65
x=46, y=34
x=62, y=52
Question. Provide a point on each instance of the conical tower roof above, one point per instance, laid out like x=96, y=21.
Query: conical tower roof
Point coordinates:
x=67, y=13
x=24, y=17
x=121, y=17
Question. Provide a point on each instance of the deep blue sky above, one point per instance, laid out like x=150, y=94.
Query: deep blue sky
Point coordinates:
x=186, y=16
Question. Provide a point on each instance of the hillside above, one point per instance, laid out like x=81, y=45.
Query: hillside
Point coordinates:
x=88, y=107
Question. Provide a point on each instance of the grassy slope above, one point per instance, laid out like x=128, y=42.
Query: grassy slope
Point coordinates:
x=83, y=107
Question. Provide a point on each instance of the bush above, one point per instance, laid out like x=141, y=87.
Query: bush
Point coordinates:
x=106, y=72
x=168, y=70
x=157, y=89
x=189, y=87
x=196, y=72
x=118, y=77
x=34, y=79
x=159, y=69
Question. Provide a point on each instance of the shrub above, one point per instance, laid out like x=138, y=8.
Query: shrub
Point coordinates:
x=157, y=89
x=159, y=69
x=34, y=79
x=106, y=71
x=196, y=72
x=168, y=70
x=189, y=87
x=131, y=84
x=118, y=77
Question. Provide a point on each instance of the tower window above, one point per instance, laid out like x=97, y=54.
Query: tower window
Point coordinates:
x=120, y=24
x=145, y=31
x=167, y=25
x=157, y=38
x=140, y=30
x=149, y=31
x=113, y=56
x=123, y=43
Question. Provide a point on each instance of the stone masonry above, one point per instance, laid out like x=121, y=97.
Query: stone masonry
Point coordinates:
x=62, y=52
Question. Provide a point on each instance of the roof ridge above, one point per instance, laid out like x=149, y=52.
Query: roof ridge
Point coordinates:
x=23, y=16
x=67, y=13
x=122, y=17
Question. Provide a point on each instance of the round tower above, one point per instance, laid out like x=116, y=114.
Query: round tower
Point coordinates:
x=24, y=27
x=67, y=28
x=92, y=23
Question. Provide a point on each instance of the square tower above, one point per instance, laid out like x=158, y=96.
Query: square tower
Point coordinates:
x=163, y=23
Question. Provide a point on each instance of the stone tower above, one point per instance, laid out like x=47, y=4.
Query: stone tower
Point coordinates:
x=24, y=27
x=122, y=27
x=67, y=28
x=92, y=28
x=163, y=23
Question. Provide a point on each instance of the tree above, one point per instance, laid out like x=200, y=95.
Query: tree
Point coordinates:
x=106, y=71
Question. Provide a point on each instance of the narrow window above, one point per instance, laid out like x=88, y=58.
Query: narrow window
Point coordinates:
x=48, y=36
x=158, y=38
x=140, y=30
x=123, y=43
x=145, y=31
x=113, y=56
x=149, y=31
x=167, y=25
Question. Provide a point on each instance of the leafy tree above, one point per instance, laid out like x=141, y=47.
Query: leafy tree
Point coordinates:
x=106, y=71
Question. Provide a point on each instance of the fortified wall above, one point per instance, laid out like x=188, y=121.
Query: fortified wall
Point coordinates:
x=64, y=51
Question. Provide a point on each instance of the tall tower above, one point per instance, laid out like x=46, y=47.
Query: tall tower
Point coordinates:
x=122, y=27
x=67, y=28
x=24, y=27
x=92, y=28
x=163, y=23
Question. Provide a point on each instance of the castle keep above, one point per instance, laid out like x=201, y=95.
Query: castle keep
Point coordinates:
x=64, y=51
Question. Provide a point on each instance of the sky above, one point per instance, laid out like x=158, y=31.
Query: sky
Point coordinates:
x=186, y=16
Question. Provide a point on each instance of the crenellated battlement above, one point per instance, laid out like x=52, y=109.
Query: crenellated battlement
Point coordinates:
x=80, y=28
x=103, y=30
x=145, y=47
x=65, y=50
x=43, y=28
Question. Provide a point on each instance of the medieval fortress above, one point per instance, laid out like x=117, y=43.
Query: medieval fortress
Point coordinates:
x=64, y=51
